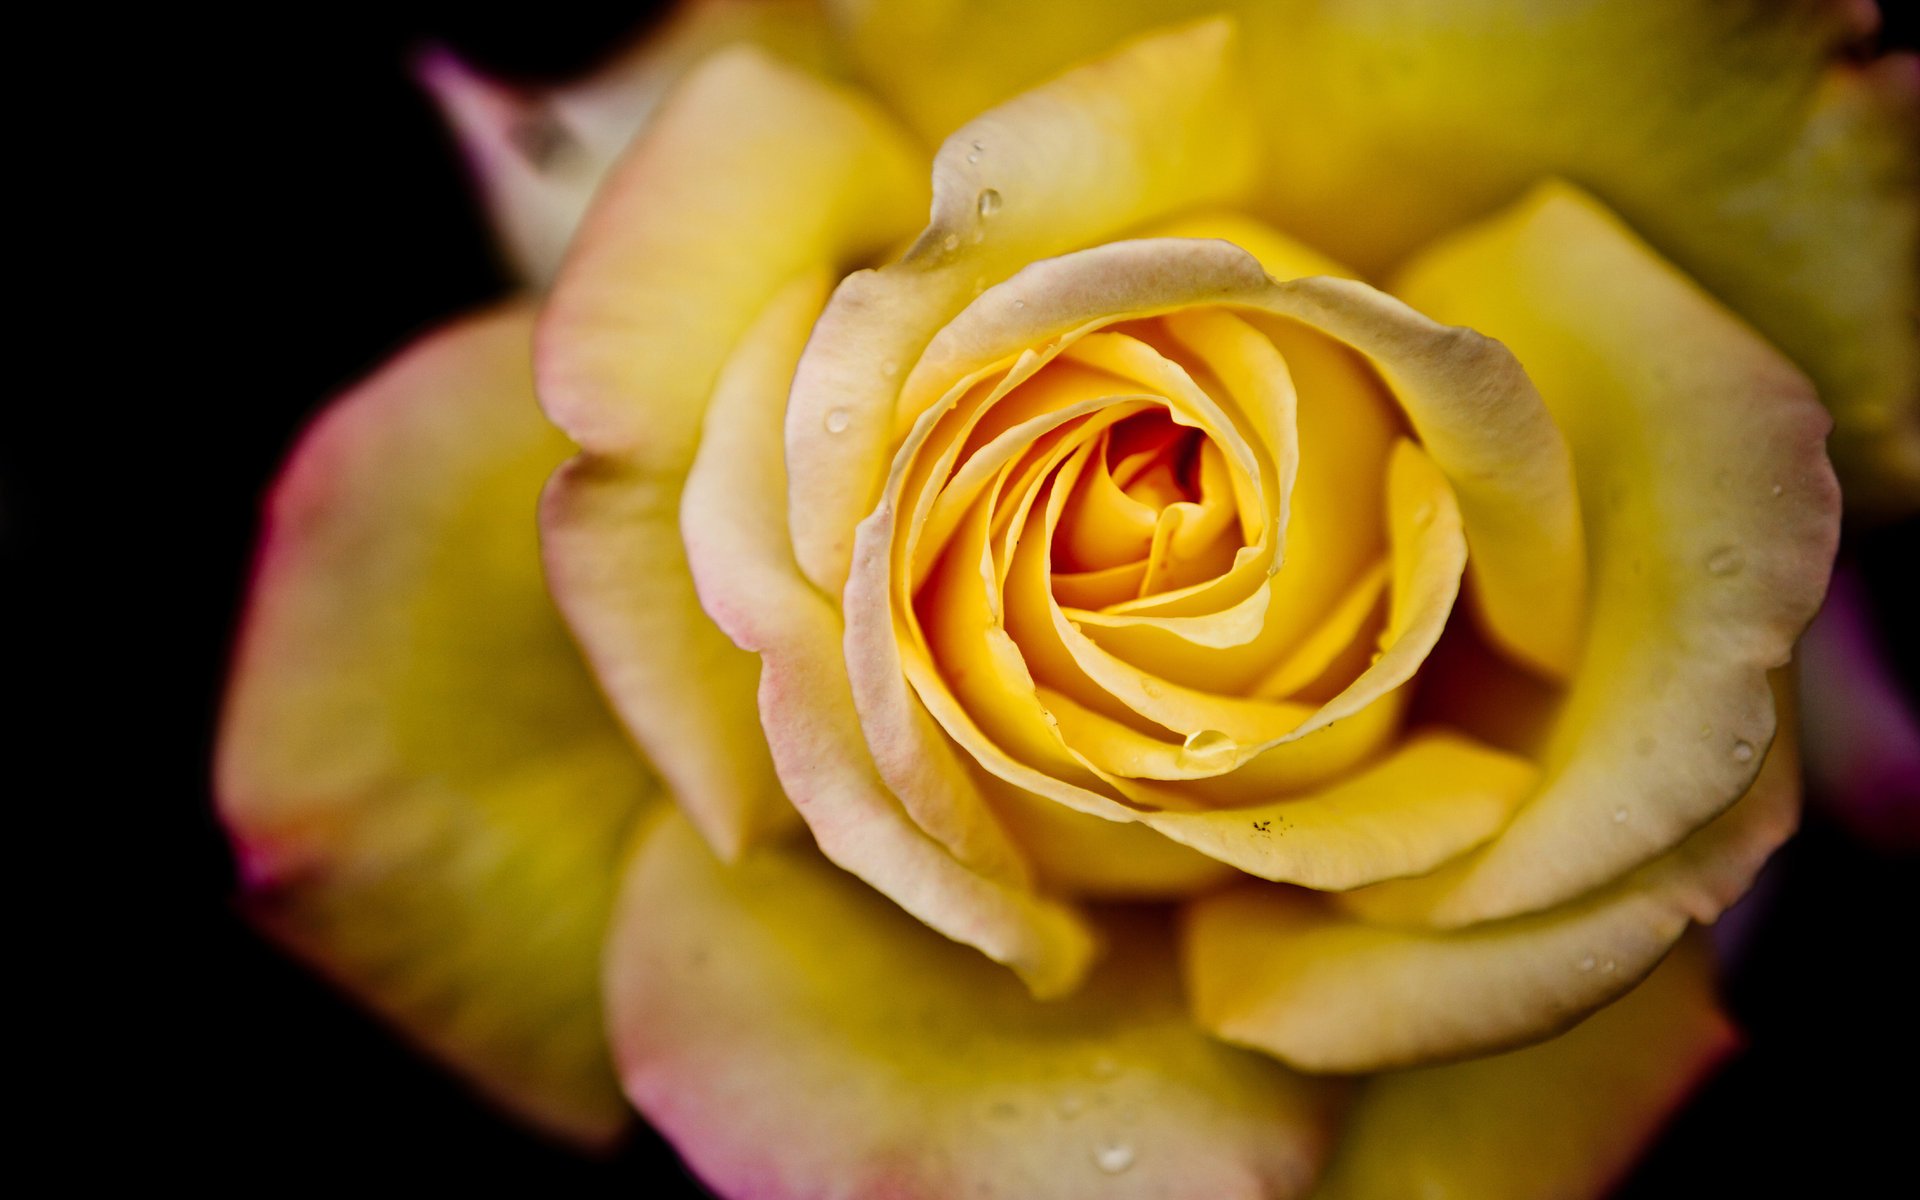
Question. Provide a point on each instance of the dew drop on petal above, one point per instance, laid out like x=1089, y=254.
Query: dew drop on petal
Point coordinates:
x=838, y=419
x=1743, y=751
x=987, y=203
x=1069, y=1106
x=889, y=368
x=1725, y=561
x=1776, y=489
x=1619, y=816
x=1113, y=1157
x=1105, y=1067
x=950, y=243
x=1019, y=303
x=1587, y=963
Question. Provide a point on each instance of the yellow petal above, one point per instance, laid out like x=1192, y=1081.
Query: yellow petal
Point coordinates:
x=1738, y=137
x=1711, y=517
x=796, y=1036
x=1565, y=1118
x=1291, y=973
x=538, y=156
x=1433, y=797
x=1158, y=126
x=427, y=798
x=750, y=175
x=941, y=856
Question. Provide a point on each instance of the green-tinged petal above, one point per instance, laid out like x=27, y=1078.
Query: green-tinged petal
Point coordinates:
x=1733, y=135
x=1159, y=126
x=537, y=156
x=751, y=173
x=795, y=1035
x=1562, y=1120
x=1711, y=516
x=1292, y=973
x=940, y=62
x=426, y=796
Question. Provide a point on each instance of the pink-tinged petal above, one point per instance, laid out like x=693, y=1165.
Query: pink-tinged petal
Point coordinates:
x=1158, y=126
x=1291, y=973
x=796, y=1036
x=750, y=174
x=1711, y=516
x=426, y=796
x=951, y=865
x=1863, y=739
x=538, y=156
x=1562, y=1120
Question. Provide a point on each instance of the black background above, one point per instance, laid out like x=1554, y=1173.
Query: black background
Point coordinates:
x=324, y=220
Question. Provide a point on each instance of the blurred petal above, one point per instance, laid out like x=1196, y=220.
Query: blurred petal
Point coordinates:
x=750, y=175
x=1711, y=519
x=1732, y=135
x=1289, y=972
x=1158, y=126
x=1562, y=1120
x=538, y=156
x=1863, y=739
x=427, y=798
x=794, y=1035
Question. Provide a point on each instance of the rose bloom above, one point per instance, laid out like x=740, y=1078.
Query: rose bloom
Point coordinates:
x=1223, y=662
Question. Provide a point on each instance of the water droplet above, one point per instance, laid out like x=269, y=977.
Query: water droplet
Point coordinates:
x=1776, y=489
x=1609, y=966
x=1150, y=687
x=973, y=158
x=987, y=202
x=979, y=235
x=1587, y=963
x=1019, y=303
x=889, y=368
x=1619, y=816
x=1069, y=1106
x=1113, y=1157
x=950, y=243
x=1206, y=749
x=1725, y=561
x=1743, y=751
x=838, y=419
x=1105, y=1067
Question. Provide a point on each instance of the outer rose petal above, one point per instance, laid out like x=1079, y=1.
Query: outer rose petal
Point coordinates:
x=1159, y=126
x=796, y=1036
x=1782, y=178
x=1558, y=1121
x=539, y=157
x=427, y=797
x=751, y=174
x=1288, y=972
x=1729, y=134
x=948, y=863
x=1711, y=517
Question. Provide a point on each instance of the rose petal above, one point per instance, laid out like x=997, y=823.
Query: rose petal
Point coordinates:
x=427, y=798
x=1564, y=1119
x=1737, y=137
x=1711, y=519
x=796, y=1036
x=539, y=156
x=1291, y=973
x=942, y=856
x=1158, y=126
x=751, y=174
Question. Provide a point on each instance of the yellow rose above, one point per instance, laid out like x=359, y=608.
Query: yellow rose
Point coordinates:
x=1159, y=522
